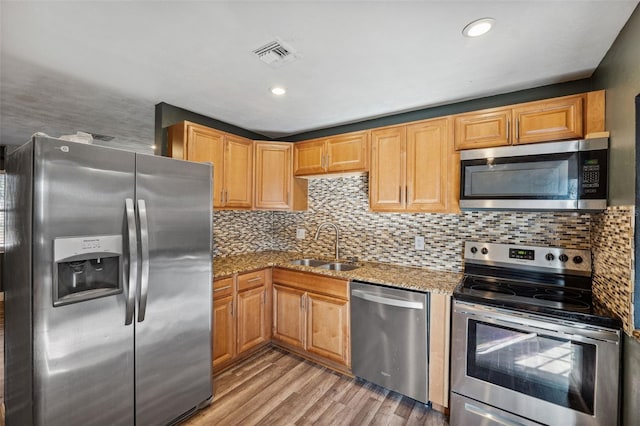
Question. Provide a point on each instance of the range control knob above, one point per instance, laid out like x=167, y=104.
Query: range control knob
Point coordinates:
x=549, y=257
x=563, y=258
x=474, y=249
x=577, y=259
x=484, y=250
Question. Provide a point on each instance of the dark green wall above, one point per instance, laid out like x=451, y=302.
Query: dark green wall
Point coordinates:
x=619, y=75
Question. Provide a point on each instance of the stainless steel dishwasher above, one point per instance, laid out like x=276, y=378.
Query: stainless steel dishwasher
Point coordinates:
x=390, y=338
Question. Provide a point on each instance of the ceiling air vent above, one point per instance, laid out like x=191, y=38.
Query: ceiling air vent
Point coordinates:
x=276, y=53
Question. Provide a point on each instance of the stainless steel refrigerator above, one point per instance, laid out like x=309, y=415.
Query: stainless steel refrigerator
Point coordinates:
x=107, y=286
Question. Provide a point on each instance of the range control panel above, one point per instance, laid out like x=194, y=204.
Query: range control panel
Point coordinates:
x=511, y=255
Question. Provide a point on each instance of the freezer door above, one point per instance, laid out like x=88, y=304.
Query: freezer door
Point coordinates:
x=83, y=351
x=173, y=320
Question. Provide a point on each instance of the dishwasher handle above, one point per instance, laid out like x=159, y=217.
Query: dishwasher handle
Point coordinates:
x=401, y=303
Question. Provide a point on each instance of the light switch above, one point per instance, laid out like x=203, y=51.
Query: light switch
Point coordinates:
x=419, y=243
x=300, y=233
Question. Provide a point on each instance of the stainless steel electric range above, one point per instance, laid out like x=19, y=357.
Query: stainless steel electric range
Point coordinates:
x=528, y=346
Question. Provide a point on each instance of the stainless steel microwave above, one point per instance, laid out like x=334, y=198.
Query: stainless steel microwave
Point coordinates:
x=570, y=175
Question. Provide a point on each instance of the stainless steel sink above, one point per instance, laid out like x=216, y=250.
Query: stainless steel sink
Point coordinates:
x=308, y=262
x=339, y=266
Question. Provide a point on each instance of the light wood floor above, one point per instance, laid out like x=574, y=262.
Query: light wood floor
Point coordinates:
x=274, y=387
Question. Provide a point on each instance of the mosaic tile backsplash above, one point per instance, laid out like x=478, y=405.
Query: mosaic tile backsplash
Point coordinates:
x=389, y=237
x=612, y=248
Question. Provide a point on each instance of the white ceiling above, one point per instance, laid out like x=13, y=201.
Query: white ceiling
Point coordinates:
x=102, y=66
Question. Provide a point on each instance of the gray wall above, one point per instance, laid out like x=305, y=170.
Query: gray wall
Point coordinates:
x=619, y=74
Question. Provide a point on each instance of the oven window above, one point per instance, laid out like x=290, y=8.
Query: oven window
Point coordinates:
x=555, y=370
x=541, y=177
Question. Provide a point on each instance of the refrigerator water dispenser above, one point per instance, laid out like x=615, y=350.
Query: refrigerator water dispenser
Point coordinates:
x=86, y=268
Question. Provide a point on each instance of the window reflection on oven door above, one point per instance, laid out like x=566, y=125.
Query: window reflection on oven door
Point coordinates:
x=542, y=369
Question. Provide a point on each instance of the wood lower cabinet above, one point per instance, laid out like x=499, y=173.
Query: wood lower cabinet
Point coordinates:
x=311, y=316
x=328, y=327
x=241, y=316
x=223, y=330
x=288, y=316
x=439, y=349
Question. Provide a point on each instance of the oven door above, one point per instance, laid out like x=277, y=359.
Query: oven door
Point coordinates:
x=547, y=370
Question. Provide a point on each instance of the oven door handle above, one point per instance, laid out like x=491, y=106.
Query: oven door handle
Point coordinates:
x=523, y=321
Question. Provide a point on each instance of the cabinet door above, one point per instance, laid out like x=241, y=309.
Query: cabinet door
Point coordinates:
x=328, y=327
x=427, y=166
x=387, y=177
x=483, y=129
x=551, y=120
x=347, y=153
x=309, y=158
x=273, y=174
x=223, y=331
x=207, y=145
x=238, y=170
x=288, y=316
x=252, y=318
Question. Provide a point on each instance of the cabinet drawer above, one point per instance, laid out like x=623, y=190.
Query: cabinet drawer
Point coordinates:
x=252, y=280
x=222, y=287
x=313, y=283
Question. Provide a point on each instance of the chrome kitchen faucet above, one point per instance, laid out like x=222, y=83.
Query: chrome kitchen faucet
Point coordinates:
x=337, y=236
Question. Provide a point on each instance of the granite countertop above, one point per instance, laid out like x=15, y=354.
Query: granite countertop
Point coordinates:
x=413, y=278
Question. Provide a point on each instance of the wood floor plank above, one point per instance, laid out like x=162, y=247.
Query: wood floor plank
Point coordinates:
x=275, y=388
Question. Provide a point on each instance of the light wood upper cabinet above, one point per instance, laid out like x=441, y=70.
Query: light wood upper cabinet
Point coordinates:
x=275, y=186
x=556, y=119
x=567, y=117
x=238, y=172
x=413, y=168
x=388, y=173
x=483, y=129
x=346, y=153
x=309, y=157
x=231, y=156
x=428, y=160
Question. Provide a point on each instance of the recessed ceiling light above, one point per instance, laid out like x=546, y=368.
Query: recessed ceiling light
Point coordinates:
x=478, y=28
x=278, y=91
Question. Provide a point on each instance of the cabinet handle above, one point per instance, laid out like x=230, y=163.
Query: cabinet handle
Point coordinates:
x=226, y=196
x=231, y=307
x=406, y=193
x=508, y=136
x=517, y=130
x=400, y=193
x=222, y=197
x=327, y=162
x=254, y=279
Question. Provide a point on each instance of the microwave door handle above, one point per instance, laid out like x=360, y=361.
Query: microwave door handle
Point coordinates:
x=133, y=261
x=144, y=256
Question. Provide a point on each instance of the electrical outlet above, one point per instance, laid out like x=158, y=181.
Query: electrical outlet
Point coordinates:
x=300, y=233
x=419, y=243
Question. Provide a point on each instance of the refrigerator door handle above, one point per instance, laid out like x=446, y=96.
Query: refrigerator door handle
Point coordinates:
x=133, y=261
x=144, y=256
